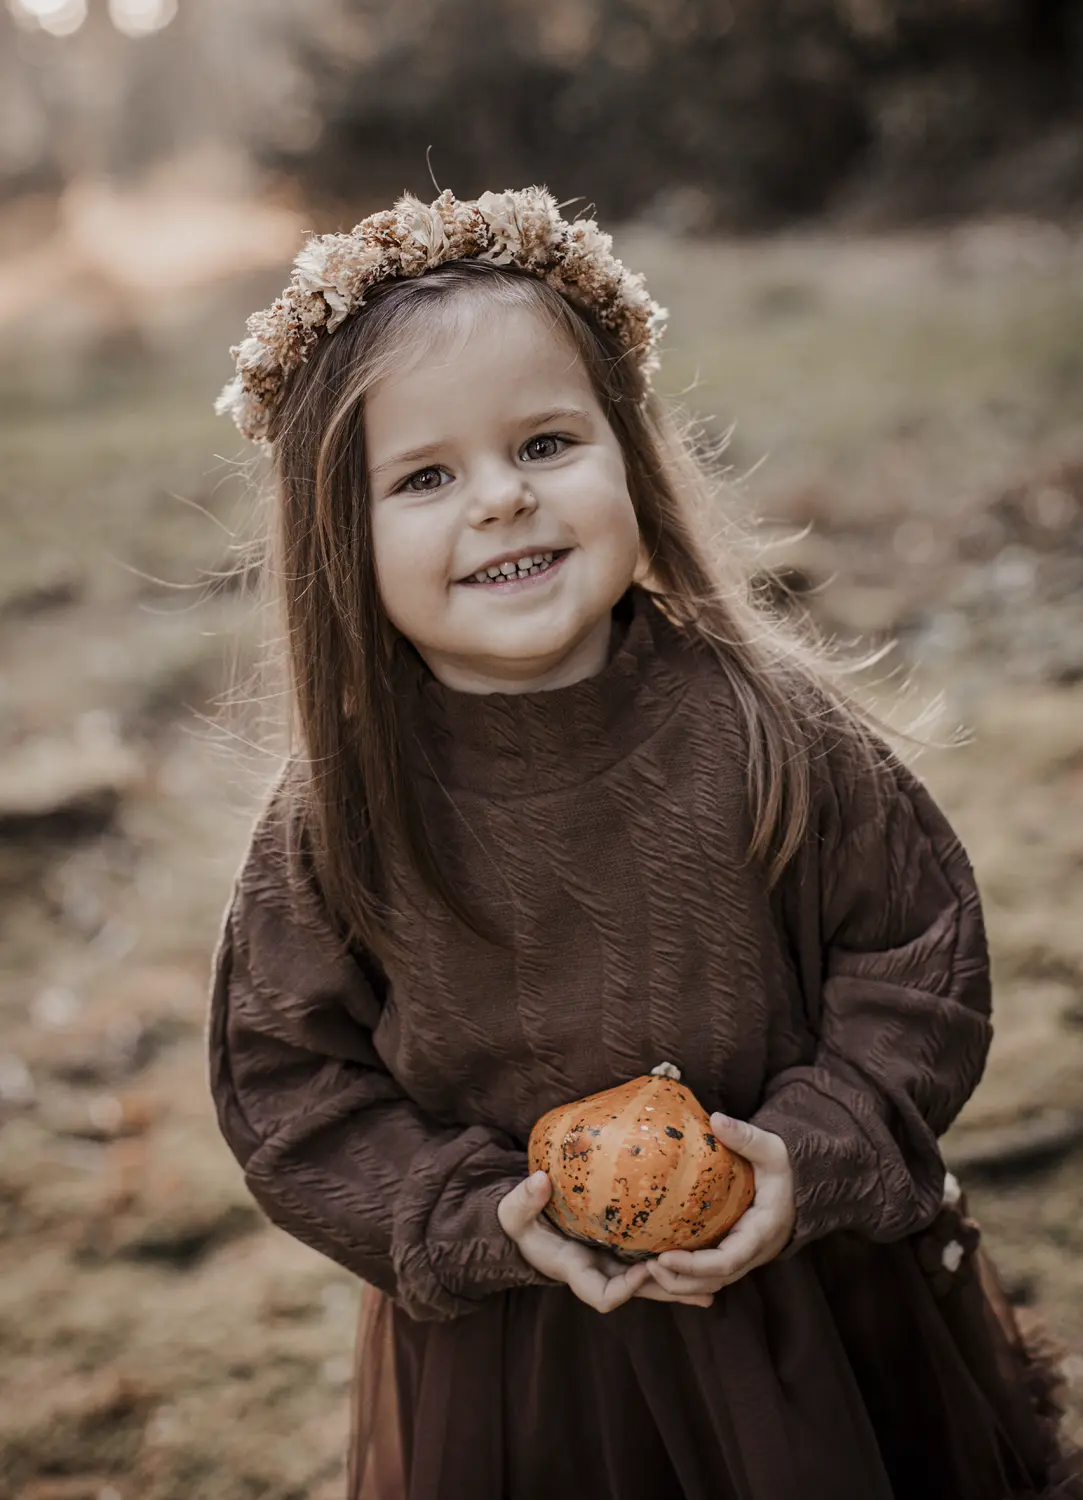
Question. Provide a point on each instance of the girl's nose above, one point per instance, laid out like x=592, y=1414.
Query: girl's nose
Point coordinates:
x=500, y=495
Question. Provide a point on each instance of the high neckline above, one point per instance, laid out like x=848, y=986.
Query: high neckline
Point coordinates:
x=521, y=744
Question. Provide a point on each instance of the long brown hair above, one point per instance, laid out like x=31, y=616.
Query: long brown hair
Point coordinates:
x=351, y=788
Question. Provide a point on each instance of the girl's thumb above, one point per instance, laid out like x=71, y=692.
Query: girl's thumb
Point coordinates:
x=738, y=1135
x=536, y=1189
x=523, y=1204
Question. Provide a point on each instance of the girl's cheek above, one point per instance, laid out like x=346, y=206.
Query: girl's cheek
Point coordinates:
x=411, y=540
x=428, y=552
x=591, y=483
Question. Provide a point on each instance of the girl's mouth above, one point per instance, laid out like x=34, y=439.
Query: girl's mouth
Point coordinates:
x=522, y=578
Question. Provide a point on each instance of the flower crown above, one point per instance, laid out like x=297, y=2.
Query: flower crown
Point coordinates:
x=333, y=272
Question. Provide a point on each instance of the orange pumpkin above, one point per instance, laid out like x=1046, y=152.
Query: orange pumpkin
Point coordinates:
x=637, y=1169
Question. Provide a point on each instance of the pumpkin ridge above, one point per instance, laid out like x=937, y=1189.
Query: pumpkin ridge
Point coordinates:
x=687, y=1184
x=607, y=1185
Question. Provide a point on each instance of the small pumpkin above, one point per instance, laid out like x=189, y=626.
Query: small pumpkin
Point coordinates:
x=636, y=1168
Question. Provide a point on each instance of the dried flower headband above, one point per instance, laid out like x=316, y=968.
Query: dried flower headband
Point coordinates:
x=333, y=272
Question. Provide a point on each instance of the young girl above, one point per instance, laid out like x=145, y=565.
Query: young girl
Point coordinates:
x=564, y=803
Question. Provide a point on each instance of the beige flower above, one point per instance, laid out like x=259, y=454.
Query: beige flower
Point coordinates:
x=255, y=354
x=333, y=272
x=426, y=226
x=542, y=232
x=310, y=269
x=588, y=241
x=466, y=230
x=232, y=393
x=499, y=212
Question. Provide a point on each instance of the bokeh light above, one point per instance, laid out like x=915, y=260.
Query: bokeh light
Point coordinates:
x=58, y=17
x=141, y=17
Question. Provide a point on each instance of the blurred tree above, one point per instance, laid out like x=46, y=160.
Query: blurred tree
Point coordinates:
x=701, y=113
x=28, y=160
x=742, y=112
x=107, y=104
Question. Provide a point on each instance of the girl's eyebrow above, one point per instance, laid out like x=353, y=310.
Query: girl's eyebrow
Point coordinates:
x=412, y=456
x=538, y=419
x=557, y=414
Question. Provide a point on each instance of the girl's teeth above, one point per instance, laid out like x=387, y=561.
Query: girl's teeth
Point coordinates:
x=524, y=568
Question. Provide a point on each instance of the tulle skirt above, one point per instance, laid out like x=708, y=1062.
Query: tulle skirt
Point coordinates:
x=853, y=1371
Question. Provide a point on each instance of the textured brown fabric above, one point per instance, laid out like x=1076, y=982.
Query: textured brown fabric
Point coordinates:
x=602, y=828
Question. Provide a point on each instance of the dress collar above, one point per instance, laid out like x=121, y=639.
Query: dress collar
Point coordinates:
x=525, y=744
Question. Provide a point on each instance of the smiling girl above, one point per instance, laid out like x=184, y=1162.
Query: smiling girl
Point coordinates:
x=562, y=802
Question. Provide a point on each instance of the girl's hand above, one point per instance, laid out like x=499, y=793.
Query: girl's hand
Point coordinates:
x=654, y=1292
x=759, y=1234
x=596, y=1277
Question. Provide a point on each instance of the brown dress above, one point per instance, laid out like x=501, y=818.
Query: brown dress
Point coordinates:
x=603, y=829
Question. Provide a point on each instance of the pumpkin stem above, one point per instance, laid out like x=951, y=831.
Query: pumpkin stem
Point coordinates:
x=667, y=1070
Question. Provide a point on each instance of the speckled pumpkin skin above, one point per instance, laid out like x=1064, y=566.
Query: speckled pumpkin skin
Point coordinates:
x=637, y=1169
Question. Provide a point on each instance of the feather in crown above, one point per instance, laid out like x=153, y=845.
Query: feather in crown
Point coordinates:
x=332, y=273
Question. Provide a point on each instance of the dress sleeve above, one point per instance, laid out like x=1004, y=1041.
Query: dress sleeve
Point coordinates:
x=332, y=1149
x=903, y=1030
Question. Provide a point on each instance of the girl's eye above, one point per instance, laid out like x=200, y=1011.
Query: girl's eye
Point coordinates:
x=545, y=445
x=424, y=481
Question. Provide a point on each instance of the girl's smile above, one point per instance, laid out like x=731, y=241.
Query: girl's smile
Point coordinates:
x=513, y=575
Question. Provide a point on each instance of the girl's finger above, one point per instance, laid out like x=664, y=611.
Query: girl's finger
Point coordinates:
x=629, y=1281
x=608, y=1264
x=683, y=1284
x=653, y=1292
x=518, y=1209
x=758, y=1146
x=589, y=1285
x=743, y=1245
x=603, y=1293
x=725, y=1273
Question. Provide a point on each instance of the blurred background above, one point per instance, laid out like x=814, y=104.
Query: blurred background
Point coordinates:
x=865, y=217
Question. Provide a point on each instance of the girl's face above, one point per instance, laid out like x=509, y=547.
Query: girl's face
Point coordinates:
x=492, y=449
